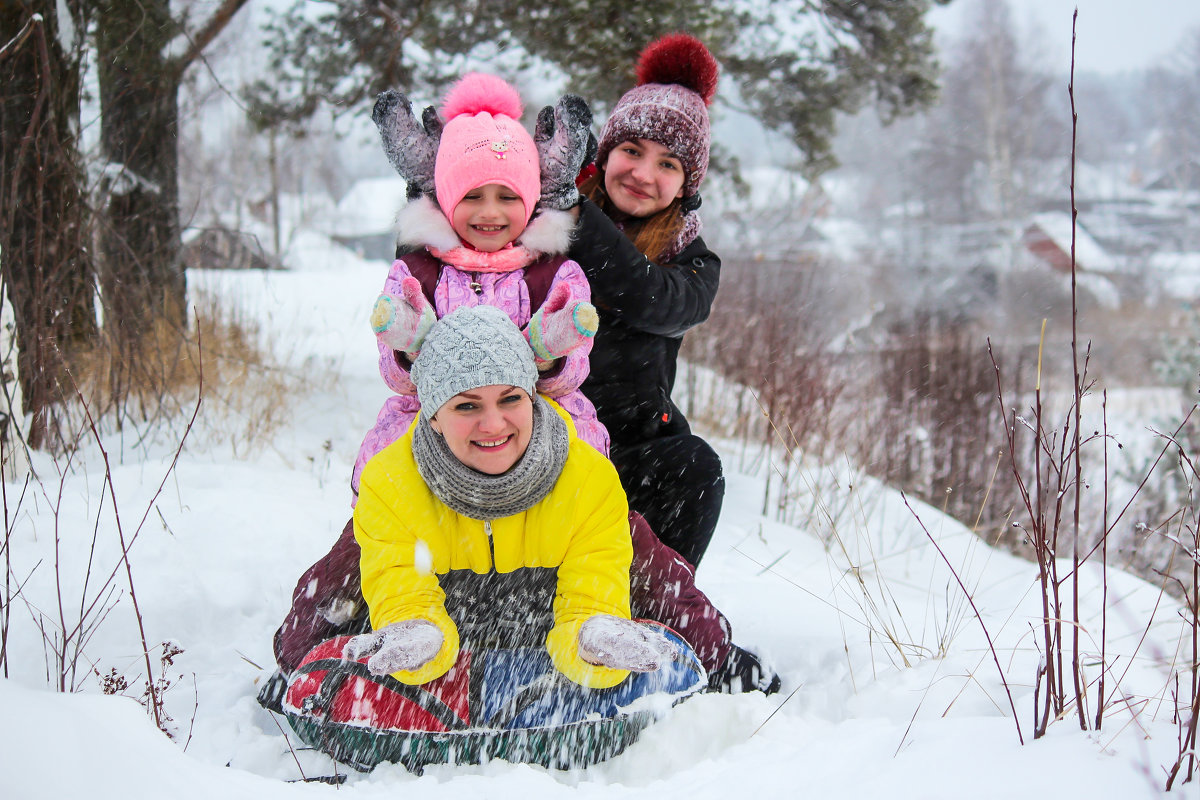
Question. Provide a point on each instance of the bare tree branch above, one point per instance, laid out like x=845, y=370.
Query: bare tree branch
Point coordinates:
x=200, y=40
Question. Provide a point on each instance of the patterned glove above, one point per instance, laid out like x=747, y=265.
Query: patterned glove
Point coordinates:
x=564, y=141
x=410, y=146
x=406, y=645
x=402, y=322
x=608, y=641
x=560, y=326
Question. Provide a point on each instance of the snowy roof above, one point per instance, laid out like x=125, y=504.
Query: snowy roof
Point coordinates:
x=1175, y=262
x=1093, y=183
x=1088, y=253
x=309, y=251
x=1104, y=183
x=310, y=209
x=369, y=207
x=1178, y=273
x=1183, y=176
x=1170, y=200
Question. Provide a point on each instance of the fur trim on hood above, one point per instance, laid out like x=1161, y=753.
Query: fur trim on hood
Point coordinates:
x=421, y=223
x=549, y=232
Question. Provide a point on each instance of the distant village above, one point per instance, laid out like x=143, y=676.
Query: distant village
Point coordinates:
x=1132, y=235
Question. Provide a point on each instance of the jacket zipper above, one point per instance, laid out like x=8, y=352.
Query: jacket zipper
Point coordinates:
x=487, y=529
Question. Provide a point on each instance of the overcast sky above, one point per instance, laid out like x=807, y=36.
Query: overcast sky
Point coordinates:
x=1113, y=35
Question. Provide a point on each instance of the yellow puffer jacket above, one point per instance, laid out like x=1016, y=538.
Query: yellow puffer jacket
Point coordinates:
x=409, y=537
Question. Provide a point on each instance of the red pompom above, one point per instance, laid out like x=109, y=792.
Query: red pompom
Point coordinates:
x=477, y=92
x=682, y=59
x=588, y=171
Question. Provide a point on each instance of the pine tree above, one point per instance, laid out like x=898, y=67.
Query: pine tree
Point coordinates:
x=796, y=63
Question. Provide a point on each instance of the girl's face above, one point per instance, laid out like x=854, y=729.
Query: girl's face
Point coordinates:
x=488, y=428
x=642, y=177
x=489, y=217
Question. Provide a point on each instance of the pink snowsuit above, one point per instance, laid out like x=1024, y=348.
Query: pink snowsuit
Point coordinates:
x=494, y=279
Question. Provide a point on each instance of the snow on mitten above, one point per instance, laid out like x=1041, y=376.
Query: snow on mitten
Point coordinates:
x=608, y=641
x=410, y=146
x=402, y=322
x=564, y=143
x=743, y=671
x=560, y=326
x=406, y=645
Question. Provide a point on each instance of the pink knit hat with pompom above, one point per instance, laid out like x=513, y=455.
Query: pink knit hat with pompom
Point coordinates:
x=483, y=142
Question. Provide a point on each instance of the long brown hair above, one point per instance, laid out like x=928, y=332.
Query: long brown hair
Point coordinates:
x=654, y=235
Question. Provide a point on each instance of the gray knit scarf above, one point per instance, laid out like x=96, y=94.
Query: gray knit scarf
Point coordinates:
x=486, y=497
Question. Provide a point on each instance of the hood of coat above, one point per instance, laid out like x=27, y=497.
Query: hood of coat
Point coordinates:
x=421, y=223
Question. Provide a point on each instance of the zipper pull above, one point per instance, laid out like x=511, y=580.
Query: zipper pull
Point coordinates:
x=487, y=528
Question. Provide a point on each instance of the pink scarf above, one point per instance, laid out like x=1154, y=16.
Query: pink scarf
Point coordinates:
x=506, y=259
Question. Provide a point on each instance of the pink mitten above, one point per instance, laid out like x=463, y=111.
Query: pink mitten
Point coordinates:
x=406, y=645
x=402, y=322
x=560, y=326
x=609, y=641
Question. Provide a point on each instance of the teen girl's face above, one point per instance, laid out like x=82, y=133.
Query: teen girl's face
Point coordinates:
x=488, y=428
x=642, y=177
x=489, y=217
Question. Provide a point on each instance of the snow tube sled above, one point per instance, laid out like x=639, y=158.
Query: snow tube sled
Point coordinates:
x=507, y=704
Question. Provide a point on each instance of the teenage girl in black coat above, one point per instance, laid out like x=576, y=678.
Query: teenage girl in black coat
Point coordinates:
x=652, y=279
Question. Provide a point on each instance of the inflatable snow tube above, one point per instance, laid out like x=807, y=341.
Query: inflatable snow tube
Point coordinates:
x=509, y=704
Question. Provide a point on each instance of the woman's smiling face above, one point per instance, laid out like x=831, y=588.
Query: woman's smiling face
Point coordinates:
x=642, y=177
x=487, y=428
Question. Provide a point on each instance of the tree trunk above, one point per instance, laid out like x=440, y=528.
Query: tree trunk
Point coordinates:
x=43, y=217
x=141, y=270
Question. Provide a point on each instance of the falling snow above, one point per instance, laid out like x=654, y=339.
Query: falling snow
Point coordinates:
x=888, y=688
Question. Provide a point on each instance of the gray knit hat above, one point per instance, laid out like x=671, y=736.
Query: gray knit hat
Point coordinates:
x=469, y=348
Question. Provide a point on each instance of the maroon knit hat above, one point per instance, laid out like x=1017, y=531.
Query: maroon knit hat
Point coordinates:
x=677, y=79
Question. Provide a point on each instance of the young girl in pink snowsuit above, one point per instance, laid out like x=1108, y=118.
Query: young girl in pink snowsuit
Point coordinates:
x=479, y=246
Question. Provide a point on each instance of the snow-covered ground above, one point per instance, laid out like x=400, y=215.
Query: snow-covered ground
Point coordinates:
x=889, y=687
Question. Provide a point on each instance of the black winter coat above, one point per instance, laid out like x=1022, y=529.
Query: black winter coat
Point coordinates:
x=644, y=311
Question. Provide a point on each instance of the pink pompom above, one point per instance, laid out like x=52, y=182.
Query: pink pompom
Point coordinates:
x=477, y=92
x=680, y=59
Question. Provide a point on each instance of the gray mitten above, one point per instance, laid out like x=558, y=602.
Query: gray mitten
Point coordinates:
x=406, y=645
x=411, y=146
x=564, y=140
x=608, y=641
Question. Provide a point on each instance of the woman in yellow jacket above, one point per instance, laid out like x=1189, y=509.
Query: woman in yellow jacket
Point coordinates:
x=491, y=522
